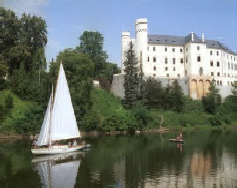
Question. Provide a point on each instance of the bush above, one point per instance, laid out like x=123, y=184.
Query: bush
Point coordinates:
x=215, y=121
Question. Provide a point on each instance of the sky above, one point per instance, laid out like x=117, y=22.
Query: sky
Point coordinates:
x=68, y=19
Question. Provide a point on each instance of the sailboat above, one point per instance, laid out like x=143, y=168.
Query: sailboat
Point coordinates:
x=57, y=170
x=59, y=121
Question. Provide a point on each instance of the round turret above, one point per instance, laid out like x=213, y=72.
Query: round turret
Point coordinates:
x=141, y=39
x=125, y=39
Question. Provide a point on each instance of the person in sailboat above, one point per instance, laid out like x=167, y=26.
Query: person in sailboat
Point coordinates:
x=75, y=143
x=180, y=137
x=69, y=144
x=34, y=144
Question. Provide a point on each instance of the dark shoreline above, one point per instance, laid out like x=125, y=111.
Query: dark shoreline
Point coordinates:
x=6, y=136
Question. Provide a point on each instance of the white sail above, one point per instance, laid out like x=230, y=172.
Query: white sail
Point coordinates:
x=64, y=125
x=44, y=132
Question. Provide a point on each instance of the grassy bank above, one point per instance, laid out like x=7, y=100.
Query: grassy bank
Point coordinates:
x=108, y=115
x=23, y=117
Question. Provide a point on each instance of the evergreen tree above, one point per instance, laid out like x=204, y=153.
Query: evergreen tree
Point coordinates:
x=131, y=80
x=212, y=100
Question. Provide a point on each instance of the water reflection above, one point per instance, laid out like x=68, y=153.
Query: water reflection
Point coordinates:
x=207, y=159
x=57, y=170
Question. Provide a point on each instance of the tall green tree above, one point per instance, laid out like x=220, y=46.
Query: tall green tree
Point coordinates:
x=22, y=38
x=131, y=79
x=91, y=43
x=79, y=72
x=212, y=100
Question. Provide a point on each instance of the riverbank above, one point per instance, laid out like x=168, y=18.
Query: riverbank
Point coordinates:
x=98, y=133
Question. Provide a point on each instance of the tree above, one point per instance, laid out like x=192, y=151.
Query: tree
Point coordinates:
x=154, y=93
x=230, y=103
x=79, y=72
x=131, y=80
x=22, y=38
x=91, y=43
x=178, y=96
x=212, y=100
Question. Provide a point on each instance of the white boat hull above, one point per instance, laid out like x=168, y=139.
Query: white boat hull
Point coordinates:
x=56, y=150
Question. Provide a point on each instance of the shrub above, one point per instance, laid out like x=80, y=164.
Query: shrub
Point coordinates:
x=215, y=121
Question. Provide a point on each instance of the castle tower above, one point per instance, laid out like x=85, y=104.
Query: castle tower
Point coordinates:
x=125, y=38
x=141, y=39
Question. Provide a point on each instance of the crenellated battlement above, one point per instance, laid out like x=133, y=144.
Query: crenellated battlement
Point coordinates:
x=141, y=21
x=126, y=33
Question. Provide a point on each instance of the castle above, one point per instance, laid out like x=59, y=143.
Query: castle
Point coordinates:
x=191, y=60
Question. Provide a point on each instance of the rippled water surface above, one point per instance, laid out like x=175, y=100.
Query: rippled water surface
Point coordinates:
x=207, y=159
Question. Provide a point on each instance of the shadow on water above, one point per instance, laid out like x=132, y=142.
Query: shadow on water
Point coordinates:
x=208, y=158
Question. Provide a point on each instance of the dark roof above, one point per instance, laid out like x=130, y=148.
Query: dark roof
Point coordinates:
x=181, y=40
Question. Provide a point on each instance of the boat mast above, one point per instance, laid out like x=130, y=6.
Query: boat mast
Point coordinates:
x=50, y=117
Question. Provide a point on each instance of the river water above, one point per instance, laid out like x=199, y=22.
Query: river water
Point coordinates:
x=207, y=159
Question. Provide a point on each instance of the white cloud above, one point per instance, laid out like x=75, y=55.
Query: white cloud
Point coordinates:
x=35, y=7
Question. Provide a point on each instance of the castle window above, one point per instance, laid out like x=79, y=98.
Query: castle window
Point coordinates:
x=166, y=49
x=217, y=53
x=166, y=68
x=173, y=60
x=232, y=67
x=181, y=60
x=154, y=75
x=154, y=48
x=229, y=66
x=166, y=60
x=210, y=52
x=167, y=75
x=174, y=69
x=148, y=59
x=212, y=73
x=186, y=82
x=186, y=49
x=211, y=63
x=186, y=60
x=178, y=75
x=154, y=59
x=198, y=48
x=154, y=68
x=218, y=82
x=200, y=71
x=181, y=50
x=221, y=83
x=198, y=59
x=218, y=74
x=217, y=64
x=173, y=49
x=186, y=73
